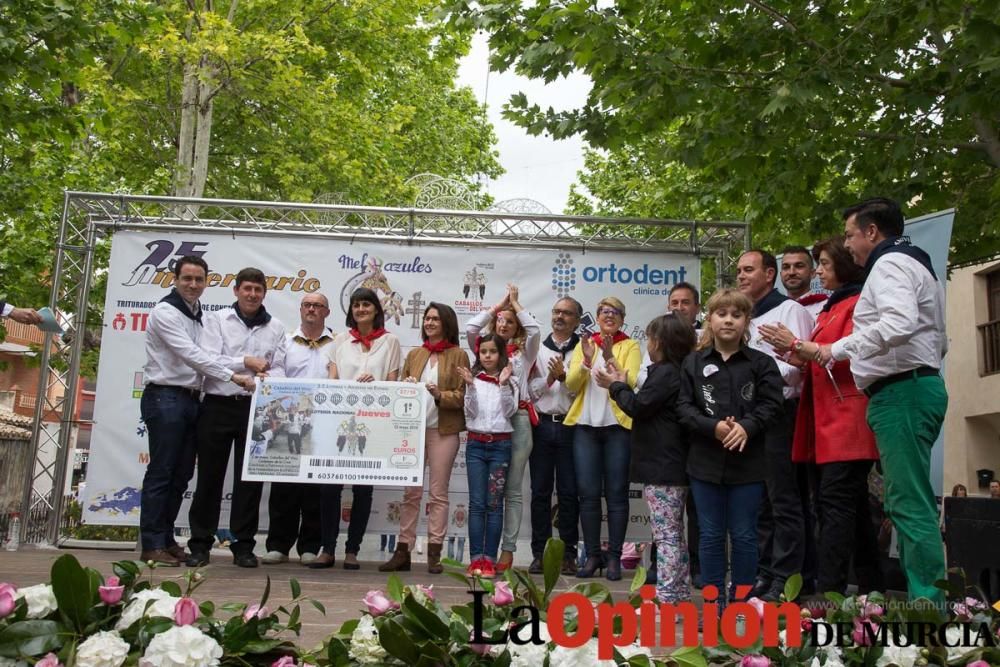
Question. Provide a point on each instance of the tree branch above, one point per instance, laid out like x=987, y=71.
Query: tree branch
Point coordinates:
x=785, y=21
x=960, y=145
x=990, y=139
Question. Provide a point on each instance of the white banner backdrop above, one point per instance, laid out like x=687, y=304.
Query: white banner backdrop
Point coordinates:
x=406, y=277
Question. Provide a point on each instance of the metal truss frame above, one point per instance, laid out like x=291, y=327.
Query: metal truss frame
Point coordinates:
x=88, y=217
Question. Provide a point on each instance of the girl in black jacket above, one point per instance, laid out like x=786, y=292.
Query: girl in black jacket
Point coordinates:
x=659, y=448
x=730, y=395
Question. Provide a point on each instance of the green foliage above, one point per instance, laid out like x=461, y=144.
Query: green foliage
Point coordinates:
x=777, y=113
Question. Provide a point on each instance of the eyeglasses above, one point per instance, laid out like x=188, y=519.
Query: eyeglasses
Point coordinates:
x=565, y=313
x=313, y=306
x=614, y=312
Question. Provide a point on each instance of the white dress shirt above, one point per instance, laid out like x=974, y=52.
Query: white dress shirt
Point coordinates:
x=430, y=376
x=489, y=407
x=899, y=321
x=301, y=360
x=523, y=360
x=174, y=356
x=798, y=320
x=6, y=309
x=352, y=358
x=555, y=398
x=229, y=340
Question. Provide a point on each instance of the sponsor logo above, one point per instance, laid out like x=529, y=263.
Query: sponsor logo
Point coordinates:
x=563, y=275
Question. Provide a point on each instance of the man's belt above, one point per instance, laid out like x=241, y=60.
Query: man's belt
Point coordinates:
x=546, y=417
x=194, y=393
x=488, y=437
x=879, y=385
x=228, y=398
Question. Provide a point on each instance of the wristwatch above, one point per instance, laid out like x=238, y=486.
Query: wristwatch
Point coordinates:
x=797, y=345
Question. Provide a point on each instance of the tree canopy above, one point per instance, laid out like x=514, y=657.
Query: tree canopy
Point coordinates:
x=779, y=113
x=305, y=99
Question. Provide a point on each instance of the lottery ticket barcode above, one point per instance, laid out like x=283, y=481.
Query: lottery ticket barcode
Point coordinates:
x=345, y=463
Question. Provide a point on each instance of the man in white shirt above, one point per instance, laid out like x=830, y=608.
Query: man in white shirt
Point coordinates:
x=294, y=508
x=895, y=351
x=169, y=407
x=244, y=338
x=551, y=458
x=796, y=276
x=784, y=539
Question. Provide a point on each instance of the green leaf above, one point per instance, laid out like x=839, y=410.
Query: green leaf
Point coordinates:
x=73, y=590
x=394, y=588
x=690, y=656
x=173, y=588
x=318, y=605
x=552, y=559
x=638, y=579
x=32, y=638
x=425, y=618
x=395, y=641
x=792, y=587
x=267, y=592
x=296, y=588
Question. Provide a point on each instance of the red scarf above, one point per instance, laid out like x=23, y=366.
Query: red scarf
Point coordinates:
x=810, y=299
x=617, y=338
x=438, y=347
x=487, y=378
x=369, y=339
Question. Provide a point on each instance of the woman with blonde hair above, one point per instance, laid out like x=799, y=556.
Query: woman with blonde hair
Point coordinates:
x=601, y=439
x=509, y=320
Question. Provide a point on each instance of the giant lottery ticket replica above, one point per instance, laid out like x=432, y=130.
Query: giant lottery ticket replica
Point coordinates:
x=336, y=432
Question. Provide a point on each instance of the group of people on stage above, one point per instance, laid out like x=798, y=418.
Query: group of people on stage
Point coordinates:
x=769, y=414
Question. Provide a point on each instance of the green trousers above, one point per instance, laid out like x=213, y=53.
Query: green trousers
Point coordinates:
x=906, y=417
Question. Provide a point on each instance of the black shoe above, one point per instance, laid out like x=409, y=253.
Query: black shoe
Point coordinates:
x=197, y=559
x=536, y=566
x=614, y=569
x=651, y=576
x=761, y=587
x=774, y=593
x=593, y=564
x=245, y=560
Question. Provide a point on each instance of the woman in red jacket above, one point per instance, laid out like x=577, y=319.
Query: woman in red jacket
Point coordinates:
x=831, y=429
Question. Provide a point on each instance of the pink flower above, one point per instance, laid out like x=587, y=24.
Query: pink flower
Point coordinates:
x=758, y=605
x=285, y=661
x=806, y=624
x=426, y=590
x=256, y=611
x=378, y=603
x=478, y=649
x=185, y=611
x=49, y=660
x=965, y=610
x=111, y=592
x=755, y=661
x=8, y=588
x=860, y=637
x=502, y=595
x=7, y=603
x=978, y=663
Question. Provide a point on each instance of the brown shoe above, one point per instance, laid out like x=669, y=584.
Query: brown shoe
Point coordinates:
x=351, y=562
x=160, y=557
x=569, y=566
x=178, y=552
x=400, y=561
x=434, y=559
x=323, y=561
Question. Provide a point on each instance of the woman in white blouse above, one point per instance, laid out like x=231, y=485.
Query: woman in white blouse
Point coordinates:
x=509, y=320
x=365, y=353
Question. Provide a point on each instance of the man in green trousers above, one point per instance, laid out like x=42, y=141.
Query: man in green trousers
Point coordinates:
x=895, y=352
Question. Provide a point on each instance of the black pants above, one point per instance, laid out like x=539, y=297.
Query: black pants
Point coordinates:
x=551, y=464
x=294, y=442
x=294, y=518
x=329, y=506
x=845, y=527
x=781, y=534
x=221, y=425
x=692, y=536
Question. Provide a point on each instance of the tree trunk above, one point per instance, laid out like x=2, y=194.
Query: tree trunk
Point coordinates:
x=195, y=136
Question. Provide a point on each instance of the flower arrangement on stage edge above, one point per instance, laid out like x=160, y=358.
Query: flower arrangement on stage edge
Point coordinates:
x=81, y=619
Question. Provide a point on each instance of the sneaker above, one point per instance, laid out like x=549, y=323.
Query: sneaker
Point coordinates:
x=489, y=570
x=307, y=558
x=476, y=564
x=274, y=557
x=536, y=566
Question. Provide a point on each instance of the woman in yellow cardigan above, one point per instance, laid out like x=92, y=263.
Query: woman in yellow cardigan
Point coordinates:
x=601, y=438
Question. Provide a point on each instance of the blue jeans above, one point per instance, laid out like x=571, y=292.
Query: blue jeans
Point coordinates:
x=601, y=457
x=171, y=416
x=727, y=509
x=486, y=465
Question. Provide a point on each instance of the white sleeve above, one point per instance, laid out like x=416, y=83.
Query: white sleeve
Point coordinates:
x=474, y=326
x=897, y=309
x=533, y=336
x=800, y=323
x=169, y=328
x=212, y=343
x=471, y=400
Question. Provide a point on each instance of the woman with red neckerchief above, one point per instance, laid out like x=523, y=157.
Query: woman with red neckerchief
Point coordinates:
x=509, y=320
x=365, y=353
x=601, y=439
x=435, y=364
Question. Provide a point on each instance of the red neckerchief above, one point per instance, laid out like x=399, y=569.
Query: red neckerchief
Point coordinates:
x=369, y=339
x=438, y=347
x=814, y=297
x=487, y=378
x=511, y=349
x=617, y=338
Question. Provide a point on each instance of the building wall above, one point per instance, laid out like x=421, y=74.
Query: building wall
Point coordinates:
x=972, y=424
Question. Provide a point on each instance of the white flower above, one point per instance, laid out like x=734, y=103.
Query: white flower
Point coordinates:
x=901, y=656
x=364, y=643
x=957, y=654
x=832, y=660
x=530, y=654
x=104, y=649
x=163, y=605
x=182, y=646
x=8, y=662
x=40, y=599
x=586, y=655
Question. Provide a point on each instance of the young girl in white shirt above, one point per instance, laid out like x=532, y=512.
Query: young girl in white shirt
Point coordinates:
x=490, y=400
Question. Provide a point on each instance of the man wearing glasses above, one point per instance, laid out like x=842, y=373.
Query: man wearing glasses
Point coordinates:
x=551, y=460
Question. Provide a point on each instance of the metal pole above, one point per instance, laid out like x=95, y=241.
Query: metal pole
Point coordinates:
x=69, y=402
x=44, y=374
